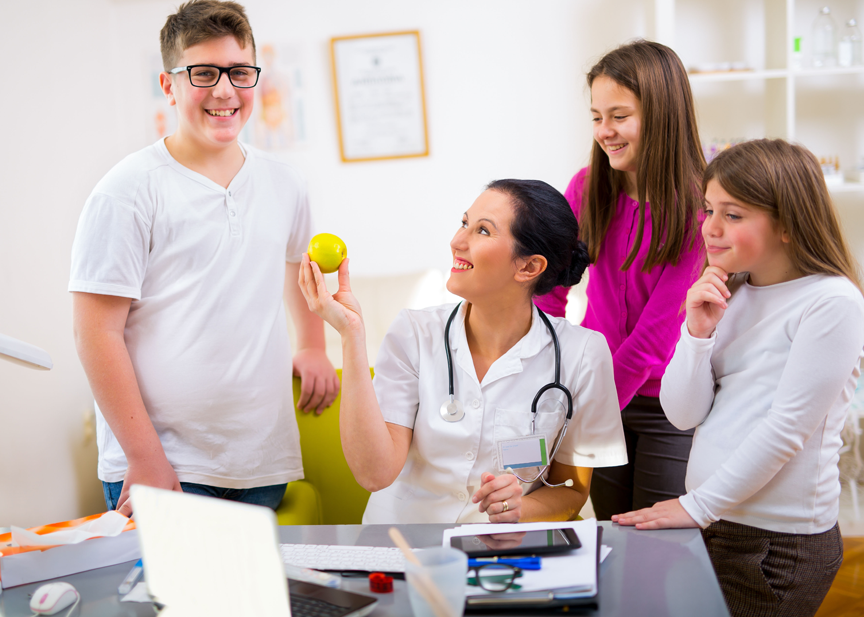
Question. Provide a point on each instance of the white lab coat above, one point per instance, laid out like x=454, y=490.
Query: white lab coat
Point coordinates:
x=446, y=459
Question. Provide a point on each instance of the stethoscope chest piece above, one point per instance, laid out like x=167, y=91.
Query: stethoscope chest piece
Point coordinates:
x=452, y=411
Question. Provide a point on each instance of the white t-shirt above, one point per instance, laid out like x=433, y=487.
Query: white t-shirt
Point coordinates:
x=446, y=459
x=768, y=393
x=206, y=331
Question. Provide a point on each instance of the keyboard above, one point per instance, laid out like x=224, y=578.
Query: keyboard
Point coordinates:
x=343, y=558
x=307, y=607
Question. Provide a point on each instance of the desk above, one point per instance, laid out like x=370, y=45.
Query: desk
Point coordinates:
x=649, y=573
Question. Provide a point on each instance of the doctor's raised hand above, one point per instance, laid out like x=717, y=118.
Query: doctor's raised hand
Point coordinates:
x=342, y=311
x=463, y=392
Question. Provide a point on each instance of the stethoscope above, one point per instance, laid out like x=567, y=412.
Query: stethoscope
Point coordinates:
x=452, y=410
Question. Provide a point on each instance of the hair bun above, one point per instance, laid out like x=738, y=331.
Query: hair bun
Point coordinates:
x=578, y=262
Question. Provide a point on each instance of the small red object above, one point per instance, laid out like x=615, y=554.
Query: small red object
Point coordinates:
x=380, y=583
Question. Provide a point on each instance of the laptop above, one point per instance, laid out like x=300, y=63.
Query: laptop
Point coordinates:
x=212, y=557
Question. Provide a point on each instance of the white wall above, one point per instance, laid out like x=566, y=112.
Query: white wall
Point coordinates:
x=505, y=97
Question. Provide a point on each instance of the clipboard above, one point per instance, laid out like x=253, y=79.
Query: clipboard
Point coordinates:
x=538, y=600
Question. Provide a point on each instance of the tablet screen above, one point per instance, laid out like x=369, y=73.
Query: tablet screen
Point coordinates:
x=523, y=543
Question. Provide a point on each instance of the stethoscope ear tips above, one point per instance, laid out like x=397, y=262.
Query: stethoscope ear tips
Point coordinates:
x=568, y=482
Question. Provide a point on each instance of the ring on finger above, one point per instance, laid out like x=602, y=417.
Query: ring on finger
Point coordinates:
x=506, y=507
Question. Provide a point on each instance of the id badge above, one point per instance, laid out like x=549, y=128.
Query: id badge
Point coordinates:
x=523, y=452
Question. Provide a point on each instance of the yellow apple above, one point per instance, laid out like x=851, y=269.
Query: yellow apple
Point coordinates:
x=327, y=251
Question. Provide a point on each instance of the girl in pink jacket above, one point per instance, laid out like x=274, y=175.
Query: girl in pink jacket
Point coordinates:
x=638, y=205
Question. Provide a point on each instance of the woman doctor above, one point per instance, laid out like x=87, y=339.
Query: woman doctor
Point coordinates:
x=427, y=460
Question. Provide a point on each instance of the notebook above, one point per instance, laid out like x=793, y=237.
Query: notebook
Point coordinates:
x=207, y=556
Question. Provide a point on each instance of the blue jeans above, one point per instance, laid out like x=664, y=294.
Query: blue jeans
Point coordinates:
x=270, y=496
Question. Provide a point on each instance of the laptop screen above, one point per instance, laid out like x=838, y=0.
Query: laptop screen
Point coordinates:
x=207, y=556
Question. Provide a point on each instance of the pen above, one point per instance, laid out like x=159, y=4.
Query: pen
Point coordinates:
x=526, y=563
x=131, y=578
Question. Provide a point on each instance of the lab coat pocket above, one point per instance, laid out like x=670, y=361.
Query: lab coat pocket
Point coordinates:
x=511, y=424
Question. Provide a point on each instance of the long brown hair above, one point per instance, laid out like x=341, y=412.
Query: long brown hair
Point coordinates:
x=786, y=181
x=670, y=156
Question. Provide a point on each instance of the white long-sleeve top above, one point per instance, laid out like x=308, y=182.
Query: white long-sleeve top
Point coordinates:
x=768, y=393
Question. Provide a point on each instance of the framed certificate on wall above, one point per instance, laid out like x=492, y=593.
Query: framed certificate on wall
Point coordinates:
x=380, y=101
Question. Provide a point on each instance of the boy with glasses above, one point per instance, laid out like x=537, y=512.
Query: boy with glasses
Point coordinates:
x=182, y=257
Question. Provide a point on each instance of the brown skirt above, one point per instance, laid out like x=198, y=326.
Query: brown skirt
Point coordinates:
x=767, y=573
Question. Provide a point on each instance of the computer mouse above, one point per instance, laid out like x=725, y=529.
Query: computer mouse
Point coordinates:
x=52, y=598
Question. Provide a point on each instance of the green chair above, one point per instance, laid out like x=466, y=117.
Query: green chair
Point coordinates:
x=329, y=494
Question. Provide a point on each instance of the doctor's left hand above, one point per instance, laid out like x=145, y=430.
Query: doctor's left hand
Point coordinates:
x=500, y=497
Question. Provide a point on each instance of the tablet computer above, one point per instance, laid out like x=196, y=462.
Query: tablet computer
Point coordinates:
x=542, y=542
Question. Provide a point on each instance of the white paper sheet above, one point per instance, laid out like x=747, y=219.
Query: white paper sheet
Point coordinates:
x=574, y=569
x=108, y=525
x=604, y=552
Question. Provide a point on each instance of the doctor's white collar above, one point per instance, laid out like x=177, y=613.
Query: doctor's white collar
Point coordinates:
x=528, y=346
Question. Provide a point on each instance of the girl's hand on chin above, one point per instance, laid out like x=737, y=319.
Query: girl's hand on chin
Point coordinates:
x=706, y=302
x=342, y=311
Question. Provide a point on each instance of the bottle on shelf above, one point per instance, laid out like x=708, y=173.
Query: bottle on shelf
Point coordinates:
x=831, y=170
x=824, y=40
x=849, y=47
x=797, y=56
x=857, y=174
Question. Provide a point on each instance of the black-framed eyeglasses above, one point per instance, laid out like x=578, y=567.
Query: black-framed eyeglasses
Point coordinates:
x=495, y=577
x=208, y=75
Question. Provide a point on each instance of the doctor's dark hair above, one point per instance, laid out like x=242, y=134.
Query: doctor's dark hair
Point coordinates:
x=543, y=224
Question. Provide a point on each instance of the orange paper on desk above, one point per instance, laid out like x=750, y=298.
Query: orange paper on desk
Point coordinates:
x=8, y=547
x=14, y=558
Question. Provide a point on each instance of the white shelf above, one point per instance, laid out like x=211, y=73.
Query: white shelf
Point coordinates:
x=847, y=187
x=738, y=75
x=773, y=74
x=838, y=70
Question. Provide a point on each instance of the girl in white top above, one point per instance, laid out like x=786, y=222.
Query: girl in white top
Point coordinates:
x=516, y=240
x=765, y=369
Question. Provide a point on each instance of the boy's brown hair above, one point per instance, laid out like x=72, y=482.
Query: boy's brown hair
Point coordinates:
x=198, y=21
x=670, y=164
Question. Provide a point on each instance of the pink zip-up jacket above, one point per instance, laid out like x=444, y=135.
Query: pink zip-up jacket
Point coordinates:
x=639, y=313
